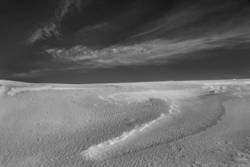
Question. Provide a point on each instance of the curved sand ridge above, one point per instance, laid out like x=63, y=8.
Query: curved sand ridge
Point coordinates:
x=102, y=150
x=149, y=135
x=108, y=148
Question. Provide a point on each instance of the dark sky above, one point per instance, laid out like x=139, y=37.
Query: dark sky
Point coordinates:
x=86, y=41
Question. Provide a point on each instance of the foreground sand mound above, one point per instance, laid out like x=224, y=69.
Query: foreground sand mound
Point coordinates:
x=193, y=123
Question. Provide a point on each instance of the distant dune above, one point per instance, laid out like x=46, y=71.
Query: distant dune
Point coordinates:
x=189, y=123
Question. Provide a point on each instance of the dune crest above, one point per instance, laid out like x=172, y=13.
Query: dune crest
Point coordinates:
x=97, y=152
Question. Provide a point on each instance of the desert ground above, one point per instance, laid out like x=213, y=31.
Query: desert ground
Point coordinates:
x=149, y=124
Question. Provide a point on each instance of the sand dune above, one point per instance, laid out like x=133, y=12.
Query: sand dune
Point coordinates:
x=191, y=123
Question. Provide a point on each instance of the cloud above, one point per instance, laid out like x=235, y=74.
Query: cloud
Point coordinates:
x=64, y=8
x=150, y=52
x=188, y=34
x=30, y=73
x=51, y=29
x=44, y=32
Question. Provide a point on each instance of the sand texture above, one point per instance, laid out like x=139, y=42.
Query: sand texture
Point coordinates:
x=151, y=124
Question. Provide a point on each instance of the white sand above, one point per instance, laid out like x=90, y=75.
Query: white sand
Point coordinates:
x=187, y=123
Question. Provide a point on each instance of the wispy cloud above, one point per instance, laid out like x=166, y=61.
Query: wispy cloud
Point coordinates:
x=44, y=32
x=64, y=8
x=51, y=29
x=156, y=51
x=30, y=73
x=185, y=26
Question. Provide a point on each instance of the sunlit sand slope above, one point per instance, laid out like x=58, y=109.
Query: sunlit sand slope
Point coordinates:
x=193, y=123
